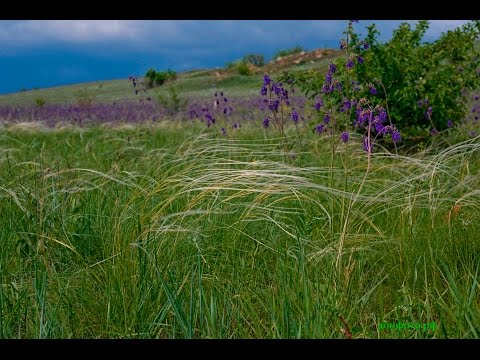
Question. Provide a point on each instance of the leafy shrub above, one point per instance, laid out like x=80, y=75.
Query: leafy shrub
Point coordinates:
x=256, y=60
x=156, y=78
x=424, y=82
x=40, y=102
x=243, y=68
x=421, y=83
x=286, y=52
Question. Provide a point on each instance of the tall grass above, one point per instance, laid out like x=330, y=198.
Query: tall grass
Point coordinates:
x=175, y=232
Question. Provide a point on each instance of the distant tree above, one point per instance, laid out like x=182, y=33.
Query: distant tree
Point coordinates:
x=254, y=59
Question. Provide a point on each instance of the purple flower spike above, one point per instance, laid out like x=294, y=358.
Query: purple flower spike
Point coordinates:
x=266, y=79
x=319, y=128
x=266, y=122
x=318, y=104
x=295, y=117
x=332, y=67
x=396, y=136
x=449, y=123
x=373, y=90
x=345, y=137
x=263, y=91
x=326, y=118
x=350, y=63
x=360, y=60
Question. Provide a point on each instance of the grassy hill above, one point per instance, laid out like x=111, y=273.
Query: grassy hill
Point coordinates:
x=195, y=83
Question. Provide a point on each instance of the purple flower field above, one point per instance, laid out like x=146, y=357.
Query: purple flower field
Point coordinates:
x=231, y=110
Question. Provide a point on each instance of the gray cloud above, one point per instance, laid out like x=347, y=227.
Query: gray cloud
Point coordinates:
x=161, y=36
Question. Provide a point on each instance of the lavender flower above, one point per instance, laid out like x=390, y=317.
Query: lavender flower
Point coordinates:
x=433, y=132
x=332, y=67
x=396, y=136
x=273, y=105
x=428, y=113
x=360, y=60
x=318, y=104
x=294, y=115
x=345, y=136
x=326, y=118
x=366, y=46
x=263, y=90
x=266, y=79
x=346, y=104
x=350, y=64
x=266, y=122
x=320, y=128
x=449, y=123
x=373, y=90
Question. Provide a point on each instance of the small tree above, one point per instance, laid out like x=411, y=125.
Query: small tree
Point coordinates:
x=254, y=59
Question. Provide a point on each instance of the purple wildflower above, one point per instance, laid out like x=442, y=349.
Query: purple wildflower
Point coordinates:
x=326, y=118
x=433, y=132
x=273, y=105
x=343, y=44
x=428, y=113
x=318, y=104
x=224, y=132
x=345, y=136
x=332, y=67
x=266, y=122
x=396, y=136
x=319, y=128
x=266, y=79
x=373, y=90
x=346, y=104
x=263, y=91
x=294, y=117
x=350, y=64
x=366, y=46
x=328, y=77
x=360, y=60
x=449, y=123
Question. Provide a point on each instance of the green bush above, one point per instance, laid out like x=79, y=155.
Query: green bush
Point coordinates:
x=243, y=68
x=156, y=78
x=40, y=102
x=407, y=70
x=412, y=70
x=256, y=60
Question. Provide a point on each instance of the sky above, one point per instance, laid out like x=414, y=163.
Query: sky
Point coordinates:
x=45, y=53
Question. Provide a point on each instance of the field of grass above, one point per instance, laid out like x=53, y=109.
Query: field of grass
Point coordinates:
x=171, y=230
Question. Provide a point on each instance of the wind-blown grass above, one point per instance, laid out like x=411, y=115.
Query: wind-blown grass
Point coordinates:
x=158, y=232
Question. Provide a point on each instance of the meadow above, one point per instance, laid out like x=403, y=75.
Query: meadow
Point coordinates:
x=184, y=227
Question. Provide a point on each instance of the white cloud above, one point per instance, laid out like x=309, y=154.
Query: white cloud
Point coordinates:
x=28, y=32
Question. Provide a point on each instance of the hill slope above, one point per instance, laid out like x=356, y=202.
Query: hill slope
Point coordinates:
x=196, y=83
